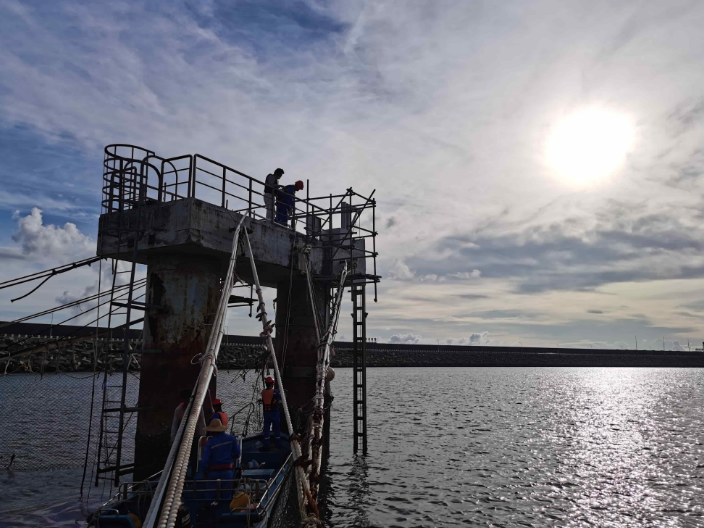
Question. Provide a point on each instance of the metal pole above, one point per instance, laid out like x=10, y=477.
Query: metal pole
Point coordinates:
x=224, y=181
x=249, y=213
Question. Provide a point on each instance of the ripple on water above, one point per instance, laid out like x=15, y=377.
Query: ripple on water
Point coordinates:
x=521, y=447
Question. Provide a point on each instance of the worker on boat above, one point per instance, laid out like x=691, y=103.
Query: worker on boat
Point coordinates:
x=285, y=203
x=219, y=414
x=220, y=456
x=185, y=396
x=271, y=398
x=270, y=188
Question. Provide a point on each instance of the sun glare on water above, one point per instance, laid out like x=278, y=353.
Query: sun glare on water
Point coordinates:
x=589, y=145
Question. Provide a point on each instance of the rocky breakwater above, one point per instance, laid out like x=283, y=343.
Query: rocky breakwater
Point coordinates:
x=387, y=355
x=21, y=353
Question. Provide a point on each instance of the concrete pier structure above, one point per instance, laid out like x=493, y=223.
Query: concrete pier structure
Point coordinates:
x=186, y=246
x=177, y=216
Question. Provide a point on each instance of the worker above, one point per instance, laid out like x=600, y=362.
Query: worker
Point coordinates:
x=220, y=456
x=270, y=188
x=185, y=396
x=219, y=414
x=285, y=208
x=271, y=398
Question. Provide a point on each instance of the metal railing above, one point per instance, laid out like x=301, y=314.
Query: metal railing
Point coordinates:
x=340, y=221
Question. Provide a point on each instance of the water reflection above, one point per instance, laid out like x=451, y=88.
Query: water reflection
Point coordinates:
x=358, y=491
x=522, y=447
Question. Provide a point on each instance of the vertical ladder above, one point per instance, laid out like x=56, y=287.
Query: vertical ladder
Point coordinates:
x=114, y=408
x=359, y=331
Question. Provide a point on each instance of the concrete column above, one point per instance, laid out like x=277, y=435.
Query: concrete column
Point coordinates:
x=296, y=341
x=187, y=290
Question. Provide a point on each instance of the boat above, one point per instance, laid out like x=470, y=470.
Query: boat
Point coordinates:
x=260, y=488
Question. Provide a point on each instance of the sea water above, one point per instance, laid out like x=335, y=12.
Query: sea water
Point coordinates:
x=606, y=447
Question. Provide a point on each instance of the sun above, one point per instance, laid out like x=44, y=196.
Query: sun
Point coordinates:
x=589, y=145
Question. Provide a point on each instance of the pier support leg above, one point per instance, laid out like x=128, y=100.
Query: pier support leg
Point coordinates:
x=186, y=290
x=296, y=340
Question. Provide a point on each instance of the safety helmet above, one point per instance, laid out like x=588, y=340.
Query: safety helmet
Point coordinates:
x=269, y=379
x=299, y=185
x=217, y=401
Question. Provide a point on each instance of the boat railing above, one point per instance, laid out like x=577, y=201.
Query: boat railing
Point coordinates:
x=197, y=489
x=274, y=478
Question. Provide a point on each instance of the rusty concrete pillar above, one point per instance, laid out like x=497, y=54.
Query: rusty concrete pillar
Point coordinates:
x=296, y=341
x=186, y=288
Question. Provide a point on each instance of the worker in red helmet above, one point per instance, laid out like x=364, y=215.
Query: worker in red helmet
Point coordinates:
x=270, y=399
x=219, y=414
x=285, y=203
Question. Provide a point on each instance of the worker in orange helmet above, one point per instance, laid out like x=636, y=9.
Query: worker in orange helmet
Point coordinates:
x=271, y=398
x=219, y=414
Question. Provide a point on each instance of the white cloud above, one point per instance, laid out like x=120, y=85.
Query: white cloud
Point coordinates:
x=49, y=243
x=406, y=339
x=466, y=275
x=475, y=339
x=399, y=270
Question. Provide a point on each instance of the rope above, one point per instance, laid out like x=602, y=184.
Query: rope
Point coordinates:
x=284, y=348
x=315, y=422
x=92, y=392
x=306, y=252
x=304, y=495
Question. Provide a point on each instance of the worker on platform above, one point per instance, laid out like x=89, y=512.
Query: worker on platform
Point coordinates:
x=270, y=188
x=220, y=456
x=185, y=396
x=271, y=398
x=219, y=414
x=285, y=199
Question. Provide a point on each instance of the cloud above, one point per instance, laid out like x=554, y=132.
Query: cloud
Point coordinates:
x=379, y=97
x=406, y=339
x=578, y=253
x=49, y=243
x=475, y=339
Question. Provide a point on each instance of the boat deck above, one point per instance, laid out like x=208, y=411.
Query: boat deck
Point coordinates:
x=208, y=501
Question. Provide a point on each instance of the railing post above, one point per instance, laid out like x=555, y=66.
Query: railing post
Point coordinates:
x=224, y=180
x=161, y=182
x=121, y=188
x=308, y=221
x=249, y=213
x=191, y=176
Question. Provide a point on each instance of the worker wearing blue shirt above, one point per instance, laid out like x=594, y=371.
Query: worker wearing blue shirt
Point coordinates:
x=285, y=203
x=220, y=455
x=271, y=398
x=219, y=413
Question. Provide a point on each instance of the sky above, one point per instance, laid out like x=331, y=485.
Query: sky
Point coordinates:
x=448, y=109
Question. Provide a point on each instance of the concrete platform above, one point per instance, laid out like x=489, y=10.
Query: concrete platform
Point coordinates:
x=194, y=227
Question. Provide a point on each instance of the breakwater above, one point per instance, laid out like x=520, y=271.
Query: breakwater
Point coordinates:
x=29, y=348
x=23, y=348
x=485, y=356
